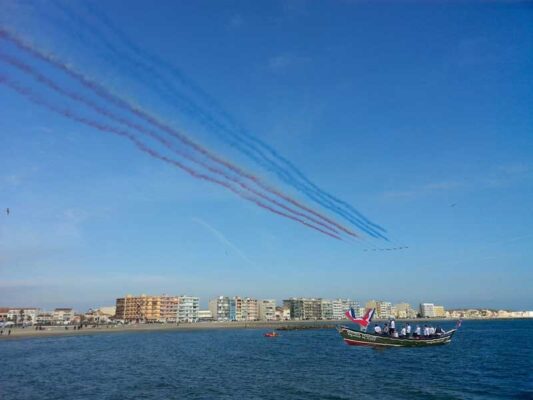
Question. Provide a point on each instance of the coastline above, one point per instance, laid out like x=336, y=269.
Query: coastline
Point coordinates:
x=60, y=331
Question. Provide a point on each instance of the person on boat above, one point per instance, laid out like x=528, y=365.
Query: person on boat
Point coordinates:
x=417, y=331
x=392, y=326
x=408, y=329
x=426, y=330
x=440, y=331
x=377, y=329
x=386, y=329
x=394, y=334
x=403, y=332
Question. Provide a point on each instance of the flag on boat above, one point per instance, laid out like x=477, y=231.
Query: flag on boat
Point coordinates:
x=364, y=320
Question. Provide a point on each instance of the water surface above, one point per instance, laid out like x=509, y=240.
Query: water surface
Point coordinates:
x=486, y=360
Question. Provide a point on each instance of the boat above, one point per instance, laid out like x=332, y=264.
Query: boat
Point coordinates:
x=271, y=334
x=360, y=338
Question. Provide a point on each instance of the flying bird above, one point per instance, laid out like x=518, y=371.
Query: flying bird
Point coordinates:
x=453, y=205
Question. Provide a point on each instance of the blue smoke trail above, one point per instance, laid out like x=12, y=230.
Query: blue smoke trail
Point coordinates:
x=241, y=140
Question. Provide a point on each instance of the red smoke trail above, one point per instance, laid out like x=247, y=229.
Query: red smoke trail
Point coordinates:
x=141, y=146
x=101, y=91
x=77, y=97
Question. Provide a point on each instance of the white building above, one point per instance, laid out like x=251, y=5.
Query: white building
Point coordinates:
x=326, y=309
x=427, y=310
x=267, y=310
x=340, y=306
x=205, y=315
x=63, y=315
x=283, y=313
x=188, y=307
x=45, y=318
x=22, y=315
x=384, y=309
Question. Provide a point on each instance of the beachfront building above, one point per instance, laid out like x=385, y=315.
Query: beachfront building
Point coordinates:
x=168, y=308
x=108, y=310
x=439, y=311
x=204, y=315
x=63, y=316
x=22, y=315
x=235, y=309
x=251, y=309
x=164, y=308
x=96, y=317
x=220, y=308
x=340, y=306
x=404, y=310
x=138, y=308
x=427, y=310
x=267, y=310
x=384, y=309
x=326, y=309
x=304, y=308
x=187, y=309
x=243, y=309
x=283, y=314
x=44, y=318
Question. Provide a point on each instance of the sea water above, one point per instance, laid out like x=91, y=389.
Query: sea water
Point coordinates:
x=486, y=360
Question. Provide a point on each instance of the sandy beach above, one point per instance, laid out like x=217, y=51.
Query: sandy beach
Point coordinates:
x=56, y=331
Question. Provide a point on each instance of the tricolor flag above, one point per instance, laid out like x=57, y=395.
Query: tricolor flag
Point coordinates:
x=363, y=321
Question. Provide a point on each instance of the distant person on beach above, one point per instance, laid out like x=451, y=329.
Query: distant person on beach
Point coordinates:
x=9, y=332
x=377, y=329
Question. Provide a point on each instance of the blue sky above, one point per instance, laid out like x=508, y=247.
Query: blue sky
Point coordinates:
x=401, y=109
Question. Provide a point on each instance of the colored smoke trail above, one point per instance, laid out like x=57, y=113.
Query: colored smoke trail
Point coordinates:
x=25, y=92
x=103, y=111
x=102, y=92
x=247, y=144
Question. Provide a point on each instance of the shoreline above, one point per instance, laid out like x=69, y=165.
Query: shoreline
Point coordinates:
x=60, y=331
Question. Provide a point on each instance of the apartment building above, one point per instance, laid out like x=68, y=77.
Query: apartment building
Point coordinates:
x=267, y=310
x=139, y=308
x=220, y=308
x=63, y=315
x=188, y=309
x=340, y=306
x=427, y=310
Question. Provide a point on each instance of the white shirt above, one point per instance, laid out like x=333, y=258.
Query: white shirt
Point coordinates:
x=377, y=329
x=417, y=330
x=408, y=329
x=426, y=331
x=393, y=324
x=395, y=334
x=404, y=332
